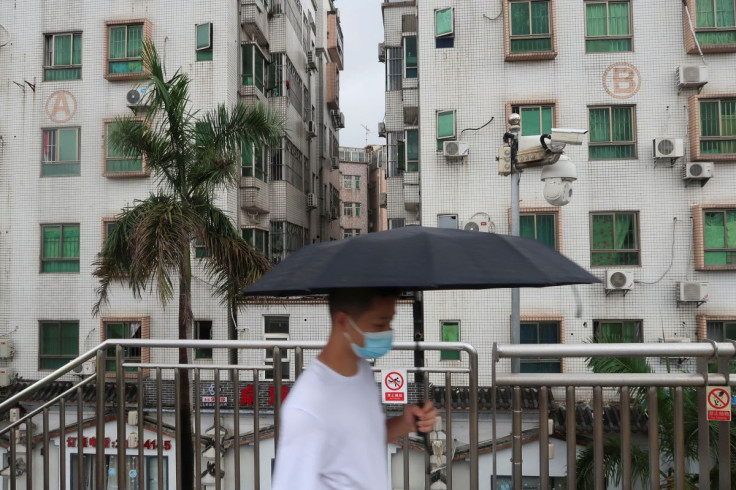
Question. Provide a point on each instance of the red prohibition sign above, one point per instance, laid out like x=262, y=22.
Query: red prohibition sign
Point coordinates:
x=718, y=398
x=394, y=381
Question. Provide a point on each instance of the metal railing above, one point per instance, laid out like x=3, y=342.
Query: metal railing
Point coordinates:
x=150, y=382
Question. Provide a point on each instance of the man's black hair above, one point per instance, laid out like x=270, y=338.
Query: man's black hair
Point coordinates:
x=356, y=301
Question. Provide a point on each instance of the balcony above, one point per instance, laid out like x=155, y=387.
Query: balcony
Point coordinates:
x=254, y=195
x=412, y=195
x=254, y=18
x=334, y=38
x=333, y=86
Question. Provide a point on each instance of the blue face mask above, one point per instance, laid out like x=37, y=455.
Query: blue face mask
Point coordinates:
x=376, y=344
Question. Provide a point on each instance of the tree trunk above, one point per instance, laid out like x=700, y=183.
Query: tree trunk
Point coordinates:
x=186, y=444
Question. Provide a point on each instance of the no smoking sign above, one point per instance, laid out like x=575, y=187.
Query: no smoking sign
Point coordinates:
x=719, y=403
x=393, y=386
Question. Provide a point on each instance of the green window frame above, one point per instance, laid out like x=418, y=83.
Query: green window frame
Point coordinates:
x=357, y=209
x=614, y=239
x=718, y=127
x=608, y=26
x=450, y=332
x=204, y=41
x=445, y=127
x=200, y=251
x=60, y=248
x=612, y=132
x=541, y=227
x=721, y=331
x=535, y=119
x=258, y=239
x=117, y=160
x=540, y=332
x=410, y=57
x=58, y=343
x=715, y=22
x=123, y=330
x=256, y=68
x=444, y=27
x=61, y=148
x=62, y=56
x=203, y=331
x=254, y=161
x=125, y=51
x=617, y=331
x=412, y=150
x=530, y=26
x=719, y=237
x=357, y=182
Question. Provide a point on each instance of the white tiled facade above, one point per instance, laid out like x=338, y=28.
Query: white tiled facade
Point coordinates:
x=29, y=104
x=474, y=79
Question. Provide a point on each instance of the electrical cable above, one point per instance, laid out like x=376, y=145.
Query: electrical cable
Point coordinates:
x=692, y=31
x=477, y=129
x=672, y=256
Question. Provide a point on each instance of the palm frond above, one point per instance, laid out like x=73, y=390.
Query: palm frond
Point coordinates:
x=612, y=464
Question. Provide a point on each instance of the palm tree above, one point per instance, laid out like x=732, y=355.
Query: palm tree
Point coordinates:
x=612, y=462
x=191, y=158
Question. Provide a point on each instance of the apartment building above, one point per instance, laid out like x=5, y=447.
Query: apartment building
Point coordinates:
x=653, y=208
x=354, y=166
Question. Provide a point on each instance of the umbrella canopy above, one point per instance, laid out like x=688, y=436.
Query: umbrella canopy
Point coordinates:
x=418, y=258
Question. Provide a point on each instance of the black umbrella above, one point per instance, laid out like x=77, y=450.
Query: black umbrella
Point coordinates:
x=418, y=258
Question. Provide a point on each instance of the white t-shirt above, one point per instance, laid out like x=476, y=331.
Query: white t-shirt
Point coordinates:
x=333, y=433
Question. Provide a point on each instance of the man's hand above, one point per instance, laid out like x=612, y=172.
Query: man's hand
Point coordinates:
x=414, y=419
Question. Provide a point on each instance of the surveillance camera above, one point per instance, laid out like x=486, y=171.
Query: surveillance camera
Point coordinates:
x=565, y=136
x=563, y=169
x=558, y=180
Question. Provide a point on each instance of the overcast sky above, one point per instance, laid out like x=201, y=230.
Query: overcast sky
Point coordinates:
x=362, y=94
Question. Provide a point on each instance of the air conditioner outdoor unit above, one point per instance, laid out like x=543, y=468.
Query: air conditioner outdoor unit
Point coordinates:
x=340, y=120
x=619, y=280
x=471, y=226
x=383, y=200
x=668, y=148
x=311, y=63
x=692, y=76
x=86, y=369
x=455, y=149
x=135, y=97
x=311, y=129
x=335, y=163
x=381, y=53
x=6, y=349
x=311, y=200
x=382, y=130
x=6, y=376
x=693, y=292
x=698, y=171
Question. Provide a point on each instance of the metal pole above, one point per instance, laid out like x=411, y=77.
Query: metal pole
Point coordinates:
x=514, y=129
x=599, y=481
x=653, y=416
x=703, y=428
x=543, y=439
x=516, y=474
x=571, y=431
x=626, y=437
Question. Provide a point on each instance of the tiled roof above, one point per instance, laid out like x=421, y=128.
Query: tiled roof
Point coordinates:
x=56, y=388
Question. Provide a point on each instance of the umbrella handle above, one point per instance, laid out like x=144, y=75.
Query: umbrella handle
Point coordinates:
x=425, y=435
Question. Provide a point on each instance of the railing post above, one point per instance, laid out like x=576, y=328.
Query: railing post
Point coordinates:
x=218, y=484
x=80, y=434
x=626, y=437
x=599, y=474
x=29, y=454
x=473, y=425
x=160, y=423
x=494, y=411
x=235, y=376
x=141, y=399
x=276, y=396
x=701, y=365
x=197, y=430
x=178, y=429
x=448, y=430
x=679, y=442
x=119, y=359
x=724, y=436
x=62, y=445
x=427, y=450
x=653, y=421
x=516, y=454
x=571, y=435
x=543, y=439
x=100, y=416
x=47, y=445
x=257, y=431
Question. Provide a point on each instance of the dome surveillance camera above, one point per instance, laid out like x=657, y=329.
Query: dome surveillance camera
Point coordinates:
x=558, y=180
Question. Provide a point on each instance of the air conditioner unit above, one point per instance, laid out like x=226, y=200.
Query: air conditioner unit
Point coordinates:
x=340, y=119
x=471, y=226
x=6, y=349
x=692, y=76
x=311, y=129
x=455, y=149
x=6, y=376
x=381, y=52
x=668, y=148
x=311, y=200
x=618, y=280
x=86, y=369
x=135, y=97
x=383, y=200
x=335, y=163
x=698, y=171
x=311, y=63
x=382, y=130
x=693, y=292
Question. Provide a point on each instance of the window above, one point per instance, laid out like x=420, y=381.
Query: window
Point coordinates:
x=350, y=232
x=347, y=209
x=721, y=331
x=200, y=250
x=450, y=332
x=258, y=239
x=357, y=209
x=123, y=330
x=394, y=223
x=277, y=328
x=60, y=248
x=394, y=61
x=204, y=42
x=203, y=331
x=412, y=150
x=614, y=239
x=617, y=331
x=62, y=57
x=254, y=162
x=356, y=179
x=718, y=127
x=607, y=26
x=530, y=26
x=347, y=181
x=444, y=28
x=612, y=133
x=719, y=237
x=118, y=161
x=715, y=22
x=445, y=127
x=410, y=57
x=60, y=152
x=540, y=226
x=535, y=119
x=540, y=332
x=58, y=344
x=255, y=68
x=125, y=49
